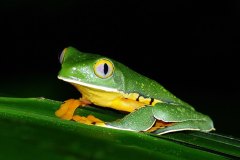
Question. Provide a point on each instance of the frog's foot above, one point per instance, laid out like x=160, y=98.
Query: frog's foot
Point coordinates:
x=68, y=108
x=90, y=120
x=159, y=124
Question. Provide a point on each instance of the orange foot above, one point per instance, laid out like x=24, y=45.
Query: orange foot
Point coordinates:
x=159, y=124
x=68, y=108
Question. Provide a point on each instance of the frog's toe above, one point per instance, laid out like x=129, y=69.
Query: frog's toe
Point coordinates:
x=81, y=119
x=90, y=120
x=94, y=119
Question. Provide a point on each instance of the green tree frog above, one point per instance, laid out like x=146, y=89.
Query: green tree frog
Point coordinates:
x=104, y=82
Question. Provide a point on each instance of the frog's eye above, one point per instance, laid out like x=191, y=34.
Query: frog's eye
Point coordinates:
x=103, y=68
x=61, y=57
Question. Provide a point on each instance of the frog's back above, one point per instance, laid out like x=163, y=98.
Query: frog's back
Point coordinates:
x=146, y=87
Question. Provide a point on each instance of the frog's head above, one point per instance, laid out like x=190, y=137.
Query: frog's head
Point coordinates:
x=90, y=70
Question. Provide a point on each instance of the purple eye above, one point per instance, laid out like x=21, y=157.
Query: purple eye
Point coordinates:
x=103, y=68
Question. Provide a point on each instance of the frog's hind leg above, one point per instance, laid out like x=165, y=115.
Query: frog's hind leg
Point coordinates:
x=181, y=117
x=140, y=120
x=68, y=108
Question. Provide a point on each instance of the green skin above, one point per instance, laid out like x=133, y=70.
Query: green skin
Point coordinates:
x=78, y=66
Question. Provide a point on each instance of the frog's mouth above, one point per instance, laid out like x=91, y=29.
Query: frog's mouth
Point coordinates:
x=72, y=80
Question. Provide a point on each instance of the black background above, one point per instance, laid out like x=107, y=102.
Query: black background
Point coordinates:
x=190, y=48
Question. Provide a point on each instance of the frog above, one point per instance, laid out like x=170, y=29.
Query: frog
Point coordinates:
x=107, y=83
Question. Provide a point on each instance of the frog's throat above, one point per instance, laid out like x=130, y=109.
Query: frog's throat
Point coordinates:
x=89, y=85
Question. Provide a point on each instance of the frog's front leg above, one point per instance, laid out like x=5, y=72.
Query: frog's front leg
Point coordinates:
x=67, y=109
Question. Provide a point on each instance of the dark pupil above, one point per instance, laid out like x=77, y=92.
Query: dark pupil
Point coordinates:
x=105, y=68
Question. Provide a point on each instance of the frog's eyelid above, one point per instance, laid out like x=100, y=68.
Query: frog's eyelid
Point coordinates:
x=61, y=56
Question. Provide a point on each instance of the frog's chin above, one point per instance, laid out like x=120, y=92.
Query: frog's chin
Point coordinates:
x=73, y=81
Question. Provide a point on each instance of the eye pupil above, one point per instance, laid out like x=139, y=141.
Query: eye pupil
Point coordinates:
x=105, y=68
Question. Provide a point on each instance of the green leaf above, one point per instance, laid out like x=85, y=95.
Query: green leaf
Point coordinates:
x=30, y=130
x=213, y=142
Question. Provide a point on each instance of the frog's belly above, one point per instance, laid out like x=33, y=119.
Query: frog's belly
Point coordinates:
x=115, y=100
